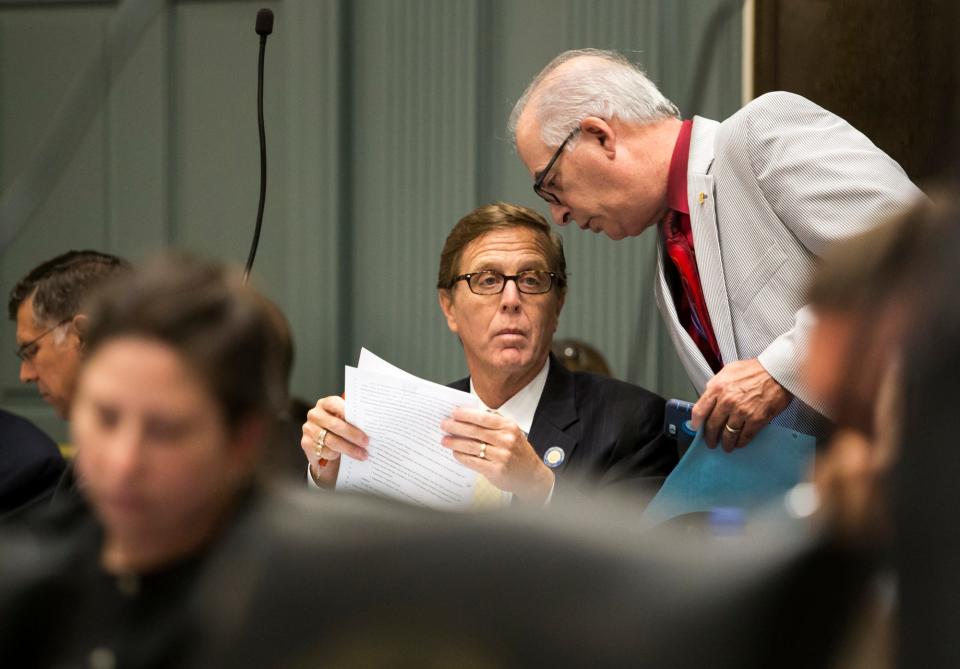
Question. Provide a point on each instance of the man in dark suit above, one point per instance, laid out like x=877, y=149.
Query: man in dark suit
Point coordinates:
x=30, y=463
x=540, y=429
x=607, y=430
x=47, y=307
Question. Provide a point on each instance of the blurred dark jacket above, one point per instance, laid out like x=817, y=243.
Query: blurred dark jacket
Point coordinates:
x=30, y=464
x=302, y=580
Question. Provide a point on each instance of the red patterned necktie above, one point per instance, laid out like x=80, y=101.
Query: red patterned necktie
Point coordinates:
x=691, y=304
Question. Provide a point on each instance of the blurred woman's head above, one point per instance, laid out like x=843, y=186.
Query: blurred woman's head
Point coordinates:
x=180, y=382
x=867, y=300
x=928, y=544
x=862, y=296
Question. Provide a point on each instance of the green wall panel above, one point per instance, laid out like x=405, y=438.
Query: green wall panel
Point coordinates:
x=413, y=137
x=385, y=124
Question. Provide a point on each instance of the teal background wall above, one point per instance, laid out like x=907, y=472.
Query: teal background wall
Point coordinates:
x=130, y=127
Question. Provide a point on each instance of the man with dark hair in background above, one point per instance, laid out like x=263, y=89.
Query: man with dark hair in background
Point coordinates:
x=46, y=307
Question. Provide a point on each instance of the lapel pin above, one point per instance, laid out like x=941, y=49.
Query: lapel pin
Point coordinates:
x=701, y=197
x=554, y=456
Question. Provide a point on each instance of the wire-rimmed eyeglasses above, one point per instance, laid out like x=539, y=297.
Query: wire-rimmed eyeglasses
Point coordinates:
x=28, y=350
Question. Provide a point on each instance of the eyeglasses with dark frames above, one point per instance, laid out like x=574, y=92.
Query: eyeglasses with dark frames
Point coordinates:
x=27, y=351
x=538, y=184
x=492, y=282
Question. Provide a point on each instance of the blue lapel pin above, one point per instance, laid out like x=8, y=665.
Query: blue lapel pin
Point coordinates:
x=554, y=457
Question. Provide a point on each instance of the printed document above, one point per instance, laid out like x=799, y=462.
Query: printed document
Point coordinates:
x=401, y=414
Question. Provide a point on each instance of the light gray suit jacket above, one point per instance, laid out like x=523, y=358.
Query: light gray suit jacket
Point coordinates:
x=769, y=190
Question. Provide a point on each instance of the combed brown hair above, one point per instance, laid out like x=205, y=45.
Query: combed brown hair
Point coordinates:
x=500, y=216
x=220, y=327
x=60, y=284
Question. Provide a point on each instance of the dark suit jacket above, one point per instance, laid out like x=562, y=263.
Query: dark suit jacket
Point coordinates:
x=30, y=463
x=611, y=432
x=295, y=579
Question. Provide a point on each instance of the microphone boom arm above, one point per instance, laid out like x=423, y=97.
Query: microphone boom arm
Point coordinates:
x=264, y=27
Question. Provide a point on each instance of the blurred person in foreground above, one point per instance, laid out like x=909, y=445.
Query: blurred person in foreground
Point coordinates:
x=183, y=559
x=280, y=462
x=177, y=389
x=884, y=357
x=541, y=429
x=927, y=477
x=861, y=296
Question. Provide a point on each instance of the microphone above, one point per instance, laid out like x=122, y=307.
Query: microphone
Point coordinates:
x=264, y=22
x=264, y=27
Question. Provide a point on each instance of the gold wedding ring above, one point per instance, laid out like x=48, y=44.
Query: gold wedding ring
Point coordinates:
x=322, y=437
x=732, y=430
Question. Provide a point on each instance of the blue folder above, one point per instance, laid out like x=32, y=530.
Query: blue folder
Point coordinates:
x=749, y=477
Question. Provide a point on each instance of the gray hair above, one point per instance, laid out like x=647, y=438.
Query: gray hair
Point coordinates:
x=605, y=85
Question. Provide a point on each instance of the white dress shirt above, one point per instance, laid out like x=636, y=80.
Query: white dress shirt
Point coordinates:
x=520, y=409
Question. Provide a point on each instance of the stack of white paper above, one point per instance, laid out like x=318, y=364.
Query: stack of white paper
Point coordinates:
x=401, y=414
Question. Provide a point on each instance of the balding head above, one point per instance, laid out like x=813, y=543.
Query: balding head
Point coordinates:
x=597, y=138
x=587, y=82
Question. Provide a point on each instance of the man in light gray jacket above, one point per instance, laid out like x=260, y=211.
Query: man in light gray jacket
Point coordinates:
x=743, y=210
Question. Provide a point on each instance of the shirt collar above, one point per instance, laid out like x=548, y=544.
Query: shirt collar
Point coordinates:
x=521, y=407
x=677, y=176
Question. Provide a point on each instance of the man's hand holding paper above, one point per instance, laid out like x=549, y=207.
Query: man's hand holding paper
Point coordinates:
x=340, y=438
x=494, y=446
x=402, y=414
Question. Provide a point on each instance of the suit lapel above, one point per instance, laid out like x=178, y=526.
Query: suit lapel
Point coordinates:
x=706, y=242
x=556, y=414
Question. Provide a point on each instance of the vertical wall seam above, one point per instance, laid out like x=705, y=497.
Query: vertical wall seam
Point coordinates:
x=345, y=207
x=109, y=236
x=171, y=153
